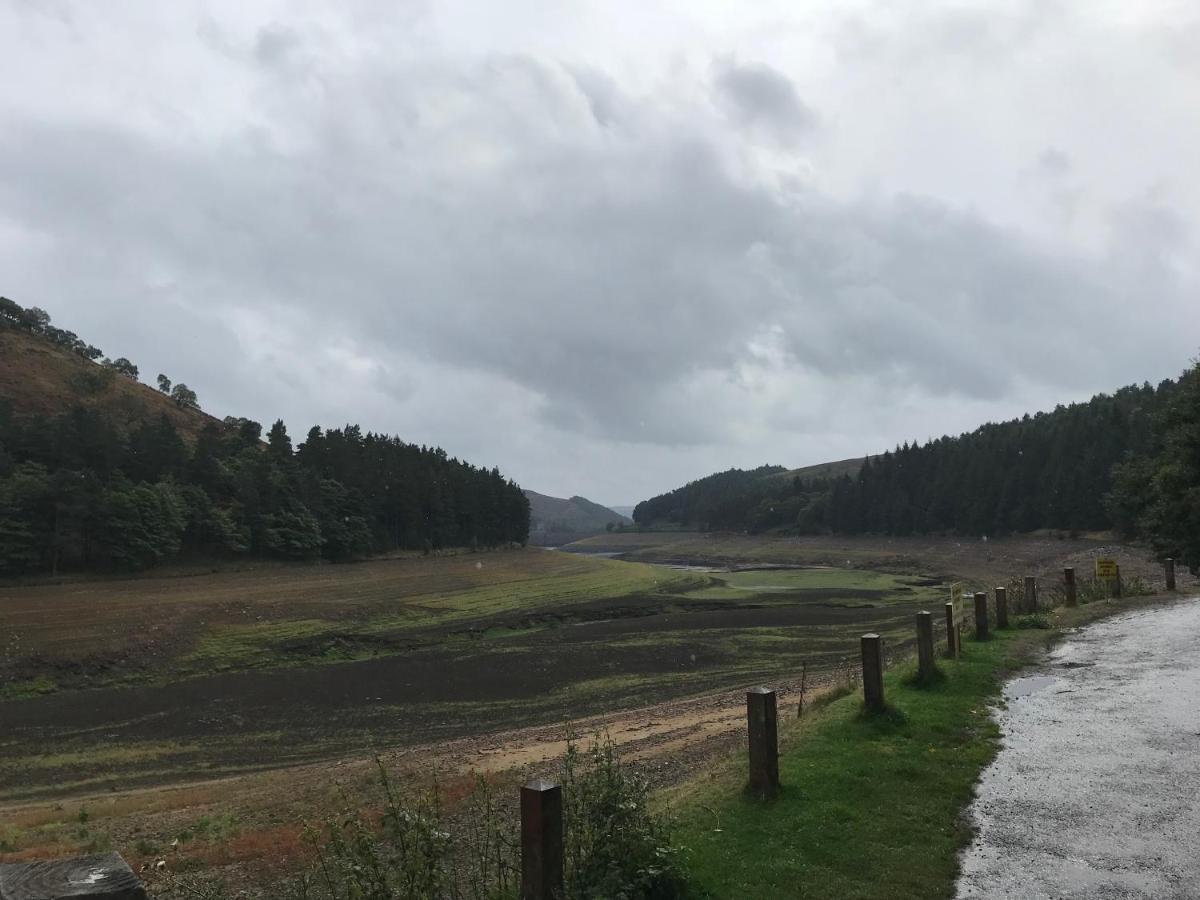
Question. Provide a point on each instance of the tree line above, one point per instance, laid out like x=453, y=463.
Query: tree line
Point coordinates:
x=1129, y=461
x=78, y=492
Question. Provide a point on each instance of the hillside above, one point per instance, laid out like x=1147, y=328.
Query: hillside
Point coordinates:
x=824, y=470
x=1051, y=470
x=39, y=378
x=554, y=520
x=99, y=472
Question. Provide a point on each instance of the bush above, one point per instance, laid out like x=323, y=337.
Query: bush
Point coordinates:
x=411, y=854
x=616, y=848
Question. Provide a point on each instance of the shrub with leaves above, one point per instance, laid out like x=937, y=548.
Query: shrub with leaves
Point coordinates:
x=616, y=848
x=412, y=854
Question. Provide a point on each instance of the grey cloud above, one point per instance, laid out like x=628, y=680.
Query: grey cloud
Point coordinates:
x=534, y=264
x=275, y=43
x=1054, y=163
x=513, y=239
x=762, y=98
x=927, y=35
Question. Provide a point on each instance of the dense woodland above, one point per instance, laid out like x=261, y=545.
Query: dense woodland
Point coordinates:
x=1130, y=460
x=78, y=492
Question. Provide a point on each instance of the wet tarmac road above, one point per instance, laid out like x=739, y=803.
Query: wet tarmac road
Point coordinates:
x=1096, y=793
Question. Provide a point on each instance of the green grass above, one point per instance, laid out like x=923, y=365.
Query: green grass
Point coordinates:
x=32, y=687
x=870, y=805
x=737, y=585
x=305, y=641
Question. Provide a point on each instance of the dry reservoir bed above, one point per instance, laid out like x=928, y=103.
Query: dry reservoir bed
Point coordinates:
x=216, y=674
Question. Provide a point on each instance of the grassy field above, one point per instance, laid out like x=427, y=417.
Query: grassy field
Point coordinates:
x=980, y=563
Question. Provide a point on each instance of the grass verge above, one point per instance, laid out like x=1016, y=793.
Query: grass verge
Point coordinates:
x=871, y=806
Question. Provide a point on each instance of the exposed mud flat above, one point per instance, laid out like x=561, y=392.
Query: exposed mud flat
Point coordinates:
x=1094, y=793
x=500, y=672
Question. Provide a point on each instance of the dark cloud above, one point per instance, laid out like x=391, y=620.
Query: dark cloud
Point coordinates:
x=1053, y=163
x=761, y=98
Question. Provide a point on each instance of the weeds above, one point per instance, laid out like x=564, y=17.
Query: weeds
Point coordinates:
x=803, y=687
x=615, y=847
x=406, y=856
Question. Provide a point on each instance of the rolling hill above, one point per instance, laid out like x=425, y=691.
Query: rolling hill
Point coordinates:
x=554, y=520
x=824, y=470
x=145, y=478
x=1051, y=470
x=39, y=378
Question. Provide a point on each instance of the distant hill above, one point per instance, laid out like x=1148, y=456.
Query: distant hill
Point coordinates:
x=824, y=470
x=1052, y=470
x=626, y=511
x=40, y=378
x=554, y=520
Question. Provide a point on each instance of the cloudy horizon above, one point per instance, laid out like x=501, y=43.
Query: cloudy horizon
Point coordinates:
x=612, y=247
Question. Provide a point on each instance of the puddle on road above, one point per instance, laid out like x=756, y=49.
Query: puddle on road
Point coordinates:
x=1023, y=687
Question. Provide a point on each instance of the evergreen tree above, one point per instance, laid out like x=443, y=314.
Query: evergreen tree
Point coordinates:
x=1157, y=495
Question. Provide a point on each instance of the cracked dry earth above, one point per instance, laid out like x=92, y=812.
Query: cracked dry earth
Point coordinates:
x=1095, y=792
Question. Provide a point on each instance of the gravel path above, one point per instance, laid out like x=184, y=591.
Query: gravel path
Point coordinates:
x=1096, y=793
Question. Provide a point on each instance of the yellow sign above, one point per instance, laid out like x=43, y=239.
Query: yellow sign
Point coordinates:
x=1106, y=568
x=956, y=597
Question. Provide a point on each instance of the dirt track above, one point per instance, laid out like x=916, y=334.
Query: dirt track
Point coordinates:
x=1094, y=793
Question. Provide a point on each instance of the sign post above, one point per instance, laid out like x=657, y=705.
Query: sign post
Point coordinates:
x=1108, y=571
x=956, y=597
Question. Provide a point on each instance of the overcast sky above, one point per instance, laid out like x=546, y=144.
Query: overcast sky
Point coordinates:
x=612, y=246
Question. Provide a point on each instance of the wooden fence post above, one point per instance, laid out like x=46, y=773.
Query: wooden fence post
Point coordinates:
x=1001, y=607
x=762, y=729
x=1170, y=574
x=951, y=647
x=925, y=664
x=1031, y=597
x=872, y=669
x=1069, y=584
x=981, y=617
x=1117, y=583
x=541, y=840
x=104, y=876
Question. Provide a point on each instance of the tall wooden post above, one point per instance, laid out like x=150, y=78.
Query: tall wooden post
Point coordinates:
x=1001, y=607
x=762, y=729
x=1069, y=584
x=1170, y=574
x=981, y=617
x=925, y=664
x=541, y=841
x=1117, y=583
x=1031, y=597
x=872, y=669
x=951, y=633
